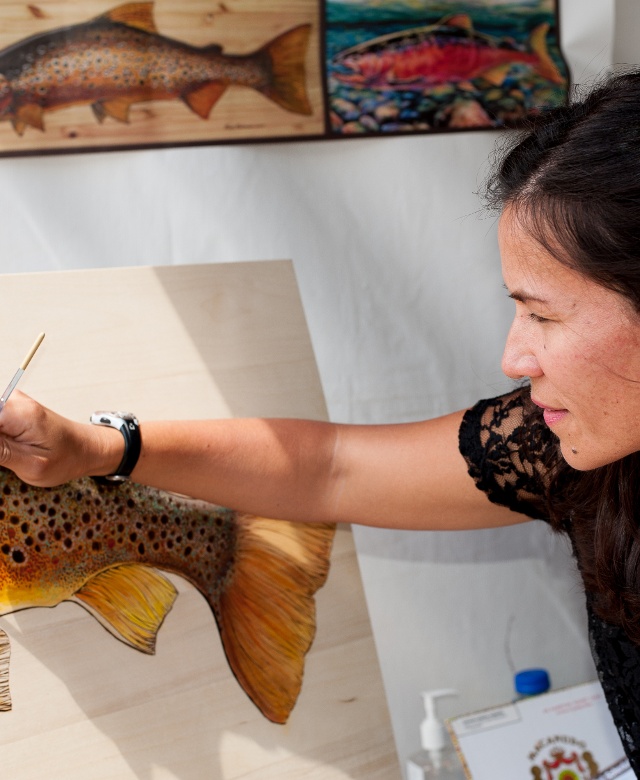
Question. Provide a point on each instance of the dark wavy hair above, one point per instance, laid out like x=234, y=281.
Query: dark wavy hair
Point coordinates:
x=573, y=181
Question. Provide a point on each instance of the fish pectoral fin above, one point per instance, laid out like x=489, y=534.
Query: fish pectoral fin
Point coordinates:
x=28, y=116
x=203, y=99
x=5, y=653
x=131, y=601
x=118, y=109
x=138, y=15
x=497, y=74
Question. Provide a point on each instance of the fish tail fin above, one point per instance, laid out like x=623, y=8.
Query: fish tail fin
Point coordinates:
x=287, y=84
x=546, y=66
x=266, y=614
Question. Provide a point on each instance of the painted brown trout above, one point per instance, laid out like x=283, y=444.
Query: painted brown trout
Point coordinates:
x=102, y=546
x=119, y=59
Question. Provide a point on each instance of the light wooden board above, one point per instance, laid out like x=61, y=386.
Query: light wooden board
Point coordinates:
x=186, y=341
x=238, y=26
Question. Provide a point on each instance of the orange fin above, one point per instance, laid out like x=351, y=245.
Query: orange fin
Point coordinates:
x=497, y=74
x=138, y=15
x=5, y=653
x=266, y=616
x=203, y=99
x=28, y=115
x=457, y=20
x=287, y=87
x=538, y=44
x=117, y=108
x=131, y=601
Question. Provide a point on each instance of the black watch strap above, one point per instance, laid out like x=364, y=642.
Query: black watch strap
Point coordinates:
x=129, y=427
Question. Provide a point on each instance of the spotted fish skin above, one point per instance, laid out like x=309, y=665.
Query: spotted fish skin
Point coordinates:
x=53, y=540
x=119, y=59
x=104, y=547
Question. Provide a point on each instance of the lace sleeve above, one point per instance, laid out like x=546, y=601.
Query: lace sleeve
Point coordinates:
x=507, y=446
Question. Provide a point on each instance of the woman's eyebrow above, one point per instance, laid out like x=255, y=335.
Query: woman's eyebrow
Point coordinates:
x=524, y=297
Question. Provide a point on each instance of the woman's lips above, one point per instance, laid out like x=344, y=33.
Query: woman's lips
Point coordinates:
x=551, y=416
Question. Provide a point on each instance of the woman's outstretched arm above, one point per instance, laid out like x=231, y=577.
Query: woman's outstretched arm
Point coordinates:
x=409, y=475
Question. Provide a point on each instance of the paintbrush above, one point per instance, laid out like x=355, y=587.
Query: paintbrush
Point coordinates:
x=16, y=377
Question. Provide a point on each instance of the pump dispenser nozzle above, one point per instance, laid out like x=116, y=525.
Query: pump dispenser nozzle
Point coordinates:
x=437, y=759
x=432, y=731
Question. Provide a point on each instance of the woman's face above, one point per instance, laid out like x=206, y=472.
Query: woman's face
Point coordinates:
x=579, y=344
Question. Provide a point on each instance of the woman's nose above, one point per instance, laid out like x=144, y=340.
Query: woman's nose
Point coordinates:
x=519, y=359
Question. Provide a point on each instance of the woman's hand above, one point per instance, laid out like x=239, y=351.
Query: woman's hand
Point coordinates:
x=45, y=449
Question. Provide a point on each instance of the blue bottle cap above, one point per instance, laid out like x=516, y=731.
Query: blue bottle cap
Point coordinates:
x=529, y=682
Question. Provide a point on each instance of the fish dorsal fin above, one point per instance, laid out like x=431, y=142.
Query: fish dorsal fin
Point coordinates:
x=5, y=652
x=266, y=614
x=138, y=15
x=458, y=20
x=203, y=99
x=131, y=601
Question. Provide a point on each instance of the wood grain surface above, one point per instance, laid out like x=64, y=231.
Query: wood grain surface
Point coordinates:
x=238, y=26
x=184, y=341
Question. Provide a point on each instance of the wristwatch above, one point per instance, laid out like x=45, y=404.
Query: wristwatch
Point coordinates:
x=128, y=425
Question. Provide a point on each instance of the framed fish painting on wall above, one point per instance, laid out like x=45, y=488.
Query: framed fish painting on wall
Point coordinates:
x=88, y=75
x=399, y=66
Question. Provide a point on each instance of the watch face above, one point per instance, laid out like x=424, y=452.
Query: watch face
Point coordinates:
x=114, y=419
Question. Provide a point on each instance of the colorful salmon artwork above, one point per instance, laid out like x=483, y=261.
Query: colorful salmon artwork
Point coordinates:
x=103, y=547
x=119, y=59
x=446, y=52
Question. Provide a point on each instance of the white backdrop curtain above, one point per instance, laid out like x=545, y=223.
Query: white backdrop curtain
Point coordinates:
x=399, y=275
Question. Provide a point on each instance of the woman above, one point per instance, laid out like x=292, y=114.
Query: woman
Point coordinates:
x=563, y=447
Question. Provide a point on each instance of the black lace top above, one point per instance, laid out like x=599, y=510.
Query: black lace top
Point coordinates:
x=507, y=458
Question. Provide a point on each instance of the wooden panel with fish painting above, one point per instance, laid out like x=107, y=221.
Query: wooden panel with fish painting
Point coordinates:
x=96, y=74
x=181, y=341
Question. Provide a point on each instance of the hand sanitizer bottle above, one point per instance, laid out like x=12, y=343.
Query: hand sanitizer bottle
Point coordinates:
x=438, y=758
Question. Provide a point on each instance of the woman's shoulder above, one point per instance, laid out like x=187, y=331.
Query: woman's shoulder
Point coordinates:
x=509, y=450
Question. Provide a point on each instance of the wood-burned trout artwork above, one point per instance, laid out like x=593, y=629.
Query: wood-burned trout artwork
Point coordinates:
x=120, y=70
x=103, y=547
x=118, y=60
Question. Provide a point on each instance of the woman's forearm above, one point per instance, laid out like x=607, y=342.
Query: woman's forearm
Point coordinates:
x=395, y=476
x=278, y=468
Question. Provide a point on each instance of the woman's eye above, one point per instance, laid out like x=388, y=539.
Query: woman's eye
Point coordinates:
x=537, y=317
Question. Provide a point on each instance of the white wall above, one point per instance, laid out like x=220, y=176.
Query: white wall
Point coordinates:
x=400, y=280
